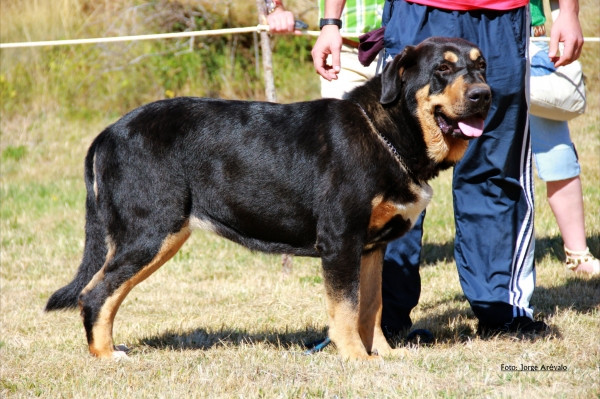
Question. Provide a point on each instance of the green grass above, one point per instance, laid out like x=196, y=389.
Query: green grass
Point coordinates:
x=218, y=320
x=13, y=153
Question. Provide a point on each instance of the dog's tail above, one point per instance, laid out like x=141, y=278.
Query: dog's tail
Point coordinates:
x=95, y=250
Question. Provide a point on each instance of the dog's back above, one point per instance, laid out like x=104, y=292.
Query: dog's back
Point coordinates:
x=223, y=165
x=215, y=165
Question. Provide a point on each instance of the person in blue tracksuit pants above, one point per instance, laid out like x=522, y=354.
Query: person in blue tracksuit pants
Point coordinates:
x=492, y=185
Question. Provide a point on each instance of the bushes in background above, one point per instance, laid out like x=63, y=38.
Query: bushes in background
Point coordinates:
x=88, y=80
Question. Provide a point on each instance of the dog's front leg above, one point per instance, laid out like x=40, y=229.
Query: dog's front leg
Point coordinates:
x=370, y=304
x=341, y=273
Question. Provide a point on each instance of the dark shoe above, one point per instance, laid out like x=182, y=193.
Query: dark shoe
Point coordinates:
x=534, y=327
x=521, y=324
x=402, y=337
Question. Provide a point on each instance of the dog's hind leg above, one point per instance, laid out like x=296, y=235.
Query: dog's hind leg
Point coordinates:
x=130, y=264
x=370, y=303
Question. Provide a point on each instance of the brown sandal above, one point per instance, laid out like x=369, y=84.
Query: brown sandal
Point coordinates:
x=576, y=258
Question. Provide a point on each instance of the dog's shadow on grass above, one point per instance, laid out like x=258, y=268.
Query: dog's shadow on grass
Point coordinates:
x=203, y=339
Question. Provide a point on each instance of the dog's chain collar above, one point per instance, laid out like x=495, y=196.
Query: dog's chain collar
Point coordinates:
x=385, y=140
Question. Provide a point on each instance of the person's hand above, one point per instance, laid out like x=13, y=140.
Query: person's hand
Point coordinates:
x=281, y=21
x=566, y=29
x=328, y=43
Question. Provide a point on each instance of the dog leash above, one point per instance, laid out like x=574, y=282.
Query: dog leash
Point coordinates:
x=316, y=346
x=387, y=143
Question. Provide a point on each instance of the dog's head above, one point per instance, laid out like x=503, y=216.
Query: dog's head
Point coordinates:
x=442, y=81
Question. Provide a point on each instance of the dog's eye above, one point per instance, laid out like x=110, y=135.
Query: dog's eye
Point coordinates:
x=443, y=68
x=482, y=64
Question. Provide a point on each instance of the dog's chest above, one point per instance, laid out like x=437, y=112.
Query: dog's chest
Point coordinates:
x=392, y=219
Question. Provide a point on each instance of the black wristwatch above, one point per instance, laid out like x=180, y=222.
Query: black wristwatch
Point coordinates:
x=330, y=21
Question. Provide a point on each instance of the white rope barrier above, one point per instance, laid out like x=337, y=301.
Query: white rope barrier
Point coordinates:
x=137, y=37
x=214, y=32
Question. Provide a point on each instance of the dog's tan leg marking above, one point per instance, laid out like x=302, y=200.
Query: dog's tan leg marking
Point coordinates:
x=343, y=329
x=100, y=274
x=102, y=343
x=370, y=306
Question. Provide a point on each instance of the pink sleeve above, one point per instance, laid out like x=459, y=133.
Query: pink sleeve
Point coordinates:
x=465, y=5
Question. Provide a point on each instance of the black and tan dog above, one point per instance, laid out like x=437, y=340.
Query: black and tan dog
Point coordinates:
x=335, y=179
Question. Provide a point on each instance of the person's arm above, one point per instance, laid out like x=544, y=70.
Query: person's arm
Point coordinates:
x=329, y=42
x=280, y=20
x=566, y=29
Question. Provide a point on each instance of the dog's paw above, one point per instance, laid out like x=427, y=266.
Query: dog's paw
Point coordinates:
x=382, y=348
x=360, y=356
x=373, y=357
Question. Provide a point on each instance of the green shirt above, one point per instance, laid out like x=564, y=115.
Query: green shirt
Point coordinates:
x=359, y=16
x=537, y=13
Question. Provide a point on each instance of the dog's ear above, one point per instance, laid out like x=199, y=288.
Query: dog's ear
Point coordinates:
x=391, y=77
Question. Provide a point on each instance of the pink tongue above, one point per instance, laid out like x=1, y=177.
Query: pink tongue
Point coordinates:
x=471, y=127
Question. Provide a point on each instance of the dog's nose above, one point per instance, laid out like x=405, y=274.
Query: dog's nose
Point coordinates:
x=480, y=95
